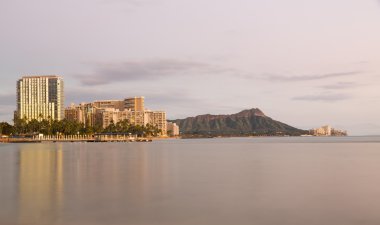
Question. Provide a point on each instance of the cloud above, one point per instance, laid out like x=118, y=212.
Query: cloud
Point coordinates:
x=106, y=73
x=324, y=97
x=310, y=77
x=340, y=86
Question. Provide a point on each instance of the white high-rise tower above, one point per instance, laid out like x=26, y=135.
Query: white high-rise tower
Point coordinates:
x=40, y=97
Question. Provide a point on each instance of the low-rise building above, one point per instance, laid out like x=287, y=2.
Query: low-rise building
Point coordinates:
x=156, y=118
x=112, y=115
x=172, y=129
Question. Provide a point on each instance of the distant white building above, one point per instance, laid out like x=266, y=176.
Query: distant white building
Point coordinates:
x=173, y=129
x=327, y=131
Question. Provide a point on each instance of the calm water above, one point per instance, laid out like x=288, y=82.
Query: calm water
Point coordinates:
x=260, y=181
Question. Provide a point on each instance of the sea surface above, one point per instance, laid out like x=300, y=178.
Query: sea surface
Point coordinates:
x=221, y=181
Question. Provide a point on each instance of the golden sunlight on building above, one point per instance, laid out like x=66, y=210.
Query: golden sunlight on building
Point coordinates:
x=327, y=131
x=40, y=97
x=103, y=113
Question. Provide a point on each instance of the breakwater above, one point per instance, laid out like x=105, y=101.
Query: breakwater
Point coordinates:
x=76, y=138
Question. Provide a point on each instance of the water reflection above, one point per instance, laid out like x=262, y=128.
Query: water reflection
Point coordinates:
x=40, y=183
x=187, y=182
x=88, y=183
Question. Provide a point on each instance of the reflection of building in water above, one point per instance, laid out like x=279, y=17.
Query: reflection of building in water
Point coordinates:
x=128, y=172
x=100, y=179
x=149, y=170
x=40, y=183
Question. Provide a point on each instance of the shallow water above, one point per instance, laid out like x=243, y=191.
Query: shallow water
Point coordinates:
x=269, y=181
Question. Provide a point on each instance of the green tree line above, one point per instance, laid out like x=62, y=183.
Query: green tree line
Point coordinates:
x=68, y=127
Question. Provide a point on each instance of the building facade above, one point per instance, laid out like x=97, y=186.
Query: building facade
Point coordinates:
x=322, y=131
x=104, y=113
x=40, y=97
x=156, y=118
x=135, y=104
x=327, y=131
x=172, y=129
x=111, y=115
x=85, y=113
x=109, y=104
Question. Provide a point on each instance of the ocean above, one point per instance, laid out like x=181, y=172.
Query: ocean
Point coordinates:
x=218, y=181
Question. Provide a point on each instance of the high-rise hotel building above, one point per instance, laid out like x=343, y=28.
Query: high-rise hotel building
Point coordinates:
x=40, y=97
x=135, y=103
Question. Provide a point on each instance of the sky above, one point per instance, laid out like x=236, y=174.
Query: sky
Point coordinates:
x=305, y=63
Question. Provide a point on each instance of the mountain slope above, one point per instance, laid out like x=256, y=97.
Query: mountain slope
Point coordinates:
x=247, y=122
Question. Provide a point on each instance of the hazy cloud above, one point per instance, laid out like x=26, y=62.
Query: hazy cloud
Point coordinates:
x=132, y=3
x=172, y=101
x=90, y=94
x=106, y=73
x=324, y=97
x=310, y=77
x=167, y=97
x=173, y=98
x=340, y=86
x=6, y=112
x=7, y=106
x=363, y=62
x=8, y=99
